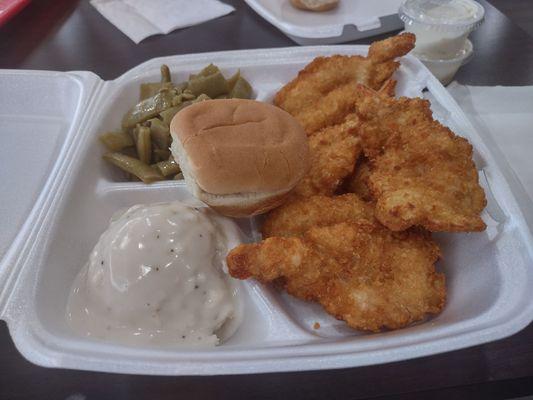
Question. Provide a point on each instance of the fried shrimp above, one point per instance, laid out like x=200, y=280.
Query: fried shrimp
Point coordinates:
x=359, y=272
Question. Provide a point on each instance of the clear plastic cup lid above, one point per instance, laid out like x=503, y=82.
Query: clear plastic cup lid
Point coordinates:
x=445, y=14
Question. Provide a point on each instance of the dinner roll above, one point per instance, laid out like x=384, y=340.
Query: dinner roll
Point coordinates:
x=315, y=5
x=241, y=157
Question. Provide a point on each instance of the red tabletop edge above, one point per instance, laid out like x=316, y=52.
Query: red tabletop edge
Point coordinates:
x=10, y=8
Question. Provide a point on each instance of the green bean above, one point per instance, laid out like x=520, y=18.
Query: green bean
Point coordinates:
x=177, y=100
x=241, y=90
x=160, y=133
x=135, y=167
x=148, y=108
x=182, y=97
x=233, y=80
x=165, y=74
x=116, y=141
x=143, y=144
x=153, y=88
x=168, y=114
x=181, y=87
x=200, y=98
x=129, y=132
x=149, y=90
x=209, y=70
x=129, y=151
x=160, y=154
x=186, y=103
x=168, y=167
x=187, y=96
x=211, y=85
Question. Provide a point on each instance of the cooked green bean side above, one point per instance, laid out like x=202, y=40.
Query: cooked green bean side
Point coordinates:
x=142, y=146
x=241, y=90
x=135, y=167
x=160, y=133
x=116, y=141
x=149, y=90
x=233, y=80
x=165, y=74
x=212, y=85
x=167, y=115
x=148, y=108
x=160, y=154
x=168, y=168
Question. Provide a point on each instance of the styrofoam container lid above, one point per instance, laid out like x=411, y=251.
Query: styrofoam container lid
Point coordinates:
x=464, y=15
x=40, y=112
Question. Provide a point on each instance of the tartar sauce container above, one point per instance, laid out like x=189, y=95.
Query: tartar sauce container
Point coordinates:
x=442, y=28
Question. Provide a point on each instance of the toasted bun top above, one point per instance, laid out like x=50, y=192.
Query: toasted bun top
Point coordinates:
x=240, y=146
x=315, y=5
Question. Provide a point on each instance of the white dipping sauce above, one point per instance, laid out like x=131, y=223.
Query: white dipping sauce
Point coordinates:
x=441, y=26
x=156, y=277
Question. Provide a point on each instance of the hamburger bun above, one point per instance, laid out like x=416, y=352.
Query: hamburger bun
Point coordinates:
x=315, y=5
x=241, y=157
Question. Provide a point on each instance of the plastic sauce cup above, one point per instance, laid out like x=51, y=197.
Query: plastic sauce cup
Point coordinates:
x=445, y=69
x=442, y=28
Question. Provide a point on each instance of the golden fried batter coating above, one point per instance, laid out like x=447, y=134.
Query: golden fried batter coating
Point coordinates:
x=334, y=146
x=333, y=249
x=358, y=182
x=296, y=217
x=359, y=272
x=324, y=92
x=422, y=173
x=333, y=152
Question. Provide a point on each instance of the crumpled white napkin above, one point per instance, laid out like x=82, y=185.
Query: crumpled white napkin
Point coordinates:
x=139, y=19
x=506, y=113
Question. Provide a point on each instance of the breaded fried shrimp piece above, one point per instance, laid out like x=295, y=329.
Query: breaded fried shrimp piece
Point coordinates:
x=361, y=273
x=333, y=152
x=422, y=173
x=324, y=92
x=391, y=48
x=298, y=216
x=358, y=182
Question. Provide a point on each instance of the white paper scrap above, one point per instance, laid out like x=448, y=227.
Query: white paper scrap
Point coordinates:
x=139, y=19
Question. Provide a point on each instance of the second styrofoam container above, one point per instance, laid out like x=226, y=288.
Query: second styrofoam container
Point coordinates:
x=351, y=20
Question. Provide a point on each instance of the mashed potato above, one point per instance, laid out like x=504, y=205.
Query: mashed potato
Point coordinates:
x=156, y=277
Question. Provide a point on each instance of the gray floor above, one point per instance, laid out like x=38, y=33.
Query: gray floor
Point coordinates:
x=519, y=11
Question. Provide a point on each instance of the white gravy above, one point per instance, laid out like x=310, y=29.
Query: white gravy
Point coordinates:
x=156, y=277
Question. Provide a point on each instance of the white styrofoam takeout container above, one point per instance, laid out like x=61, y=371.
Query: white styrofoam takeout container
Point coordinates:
x=350, y=20
x=58, y=195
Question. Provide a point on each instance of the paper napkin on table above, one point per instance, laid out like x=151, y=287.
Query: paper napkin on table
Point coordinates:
x=139, y=19
x=505, y=113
